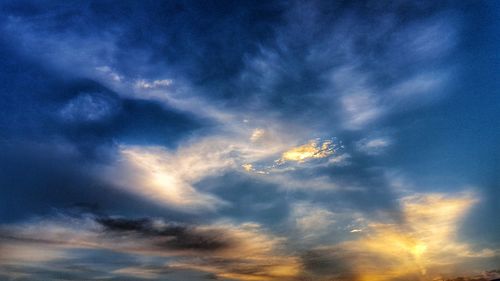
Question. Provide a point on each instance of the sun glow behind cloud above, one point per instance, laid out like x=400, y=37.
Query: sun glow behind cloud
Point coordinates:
x=423, y=246
x=311, y=150
x=156, y=174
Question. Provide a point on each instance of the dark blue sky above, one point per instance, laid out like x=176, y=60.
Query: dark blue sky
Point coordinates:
x=249, y=140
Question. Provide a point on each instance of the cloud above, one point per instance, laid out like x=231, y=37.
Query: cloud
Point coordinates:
x=423, y=246
x=373, y=146
x=429, y=38
x=360, y=109
x=214, y=248
x=360, y=104
x=108, y=71
x=174, y=237
x=257, y=134
x=171, y=177
x=144, y=84
x=167, y=178
x=488, y=275
x=142, y=272
x=16, y=253
x=340, y=160
x=419, y=86
x=89, y=107
x=293, y=157
x=312, y=221
x=311, y=150
x=267, y=106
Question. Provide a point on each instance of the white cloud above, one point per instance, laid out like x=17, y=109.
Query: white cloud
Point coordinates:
x=167, y=178
x=340, y=160
x=373, y=146
x=106, y=70
x=360, y=109
x=312, y=221
x=360, y=105
x=146, y=84
x=418, y=90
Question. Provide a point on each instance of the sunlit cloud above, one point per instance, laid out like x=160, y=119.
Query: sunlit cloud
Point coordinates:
x=167, y=178
x=247, y=167
x=311, y=150
x=19, y=253
x=424, y=245
x=214, y=248
x=261, y=260
x=257, y=134
x=141, y=272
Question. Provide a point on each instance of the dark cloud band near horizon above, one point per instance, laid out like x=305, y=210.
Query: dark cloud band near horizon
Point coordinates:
x=249, y=141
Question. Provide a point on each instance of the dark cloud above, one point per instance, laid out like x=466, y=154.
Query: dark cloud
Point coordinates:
x=489, y=275
x=328, y=263
x=175, y=237
x=160, y=30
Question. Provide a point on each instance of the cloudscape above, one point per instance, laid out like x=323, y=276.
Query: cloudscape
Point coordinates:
x=250, y=140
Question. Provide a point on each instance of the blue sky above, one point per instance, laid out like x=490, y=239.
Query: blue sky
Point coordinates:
x=237, y=140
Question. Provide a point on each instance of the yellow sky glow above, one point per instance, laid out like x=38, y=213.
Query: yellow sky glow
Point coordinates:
x=425, y=244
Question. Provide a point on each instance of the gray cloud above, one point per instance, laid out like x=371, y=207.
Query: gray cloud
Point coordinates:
x=176, y=237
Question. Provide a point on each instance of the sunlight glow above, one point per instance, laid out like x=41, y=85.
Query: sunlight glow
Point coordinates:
x=313, y=149
x=425, y=244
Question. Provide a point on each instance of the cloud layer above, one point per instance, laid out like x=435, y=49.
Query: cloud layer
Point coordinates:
x=248, y=141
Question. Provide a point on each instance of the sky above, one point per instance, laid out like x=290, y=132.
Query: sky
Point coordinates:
x=249, y=140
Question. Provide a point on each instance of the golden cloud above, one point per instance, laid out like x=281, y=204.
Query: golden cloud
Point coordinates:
x=423, y=247
x=312, y=150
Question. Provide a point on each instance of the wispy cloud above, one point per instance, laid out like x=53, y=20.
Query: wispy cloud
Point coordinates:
x=284, y=166
x=373, y=146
